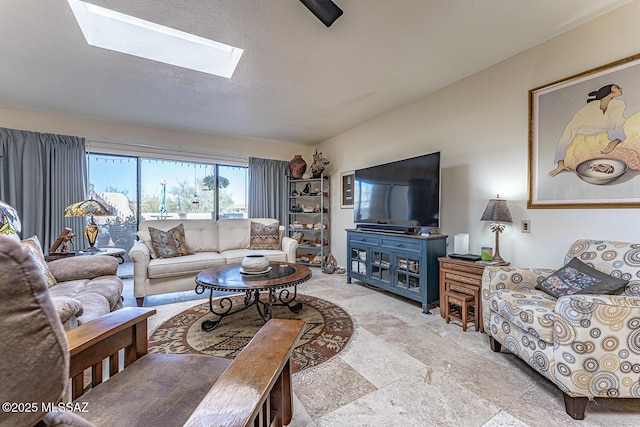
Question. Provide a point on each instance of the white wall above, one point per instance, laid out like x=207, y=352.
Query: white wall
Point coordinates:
x=96, y=130
x=480, y=125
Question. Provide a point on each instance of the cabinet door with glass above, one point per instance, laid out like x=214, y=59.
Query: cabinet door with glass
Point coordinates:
x=382, y=267
x=359, y=249
x=358, y=266
x=407, y=272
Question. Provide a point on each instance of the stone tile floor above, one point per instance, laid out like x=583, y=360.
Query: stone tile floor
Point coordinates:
x=405, y=368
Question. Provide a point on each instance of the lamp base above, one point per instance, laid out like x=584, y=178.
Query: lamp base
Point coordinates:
x=497, y=259
x=91, y=233
x=496, y=256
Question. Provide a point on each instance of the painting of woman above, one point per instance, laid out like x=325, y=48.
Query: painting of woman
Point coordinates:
x=601, y=114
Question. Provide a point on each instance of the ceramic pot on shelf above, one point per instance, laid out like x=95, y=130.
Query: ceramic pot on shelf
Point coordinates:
x=253, y=263
x=297, y=166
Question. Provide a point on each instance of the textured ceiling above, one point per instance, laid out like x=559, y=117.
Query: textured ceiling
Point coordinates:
x=298, y=81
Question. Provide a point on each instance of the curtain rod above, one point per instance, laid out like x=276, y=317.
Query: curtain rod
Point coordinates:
x=178, y=150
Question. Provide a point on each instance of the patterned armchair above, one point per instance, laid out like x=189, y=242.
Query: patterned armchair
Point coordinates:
x=587, y=345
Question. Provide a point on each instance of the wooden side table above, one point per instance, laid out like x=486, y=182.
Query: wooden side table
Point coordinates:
x=117, y=253
x=464, y=277
x=456, y=306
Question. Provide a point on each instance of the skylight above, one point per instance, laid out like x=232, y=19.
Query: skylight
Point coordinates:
x=116, y=31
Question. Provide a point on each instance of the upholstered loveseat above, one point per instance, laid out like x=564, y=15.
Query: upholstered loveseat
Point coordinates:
x=82, y=287
x=87, y=287
x=211, y=243
x=587, y=345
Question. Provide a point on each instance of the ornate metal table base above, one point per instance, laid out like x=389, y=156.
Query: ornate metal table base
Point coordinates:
x=263, y=290
x=251, y=297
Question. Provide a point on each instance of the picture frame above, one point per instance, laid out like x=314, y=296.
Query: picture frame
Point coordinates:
x=584, y=139
x=347, y=189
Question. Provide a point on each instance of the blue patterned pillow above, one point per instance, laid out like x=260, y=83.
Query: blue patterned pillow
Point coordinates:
x=577, y=277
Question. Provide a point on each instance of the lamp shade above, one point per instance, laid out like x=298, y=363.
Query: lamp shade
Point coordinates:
x=88, y=208
x=497, y=211
x=9, y=219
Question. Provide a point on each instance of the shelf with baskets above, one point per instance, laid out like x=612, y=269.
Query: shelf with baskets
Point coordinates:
x=309, y=218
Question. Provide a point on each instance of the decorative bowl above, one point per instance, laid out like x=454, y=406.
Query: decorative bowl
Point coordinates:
x=252, y=263
x=601, y=171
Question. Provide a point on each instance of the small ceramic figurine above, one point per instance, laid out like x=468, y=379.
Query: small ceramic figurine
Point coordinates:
x=330, y=265
x=298, y=236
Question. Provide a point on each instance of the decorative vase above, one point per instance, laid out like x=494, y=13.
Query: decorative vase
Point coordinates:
x=253, y=263
x=297, y=166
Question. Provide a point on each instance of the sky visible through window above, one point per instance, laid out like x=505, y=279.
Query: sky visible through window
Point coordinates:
x=114, y=173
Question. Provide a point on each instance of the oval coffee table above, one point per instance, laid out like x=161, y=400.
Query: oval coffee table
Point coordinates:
x=228, y=278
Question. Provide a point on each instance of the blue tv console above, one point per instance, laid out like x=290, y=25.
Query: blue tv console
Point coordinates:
x=406, y=265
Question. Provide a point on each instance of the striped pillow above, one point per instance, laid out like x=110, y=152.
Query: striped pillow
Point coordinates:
x=33, y=244
x=264, y=236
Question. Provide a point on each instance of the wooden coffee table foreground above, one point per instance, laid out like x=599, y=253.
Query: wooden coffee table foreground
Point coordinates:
x=227, y=278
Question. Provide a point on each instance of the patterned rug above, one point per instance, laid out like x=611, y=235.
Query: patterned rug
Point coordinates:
x=328, y=330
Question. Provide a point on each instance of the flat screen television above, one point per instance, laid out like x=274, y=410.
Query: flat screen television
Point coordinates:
x=404, y=193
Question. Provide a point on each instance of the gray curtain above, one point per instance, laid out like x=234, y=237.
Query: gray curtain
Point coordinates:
x=41, y=174
x=268, y=193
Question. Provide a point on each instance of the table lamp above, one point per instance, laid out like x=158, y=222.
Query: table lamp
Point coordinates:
x=90, y=208
x=498, y=212
x=9, y=221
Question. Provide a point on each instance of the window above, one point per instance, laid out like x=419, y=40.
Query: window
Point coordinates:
x=146, y=189
x=127, y=34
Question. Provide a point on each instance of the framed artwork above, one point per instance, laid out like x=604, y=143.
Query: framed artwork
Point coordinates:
x=347, y=189
x=584, y=139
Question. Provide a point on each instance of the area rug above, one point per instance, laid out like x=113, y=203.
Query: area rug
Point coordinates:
x=327, y=332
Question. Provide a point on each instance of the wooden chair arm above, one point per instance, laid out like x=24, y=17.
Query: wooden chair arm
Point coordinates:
x=103, y=338
x=257, y=384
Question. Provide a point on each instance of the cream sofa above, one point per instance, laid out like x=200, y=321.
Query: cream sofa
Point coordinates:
x=587, y=345
x=212, y=242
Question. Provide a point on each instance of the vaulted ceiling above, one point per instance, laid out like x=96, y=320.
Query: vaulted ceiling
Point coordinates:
x=297, y=81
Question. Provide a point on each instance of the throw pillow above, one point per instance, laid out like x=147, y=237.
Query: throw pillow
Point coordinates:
x=577, y=277
x=264, y=236
x=170, y=243
x=33, y=244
